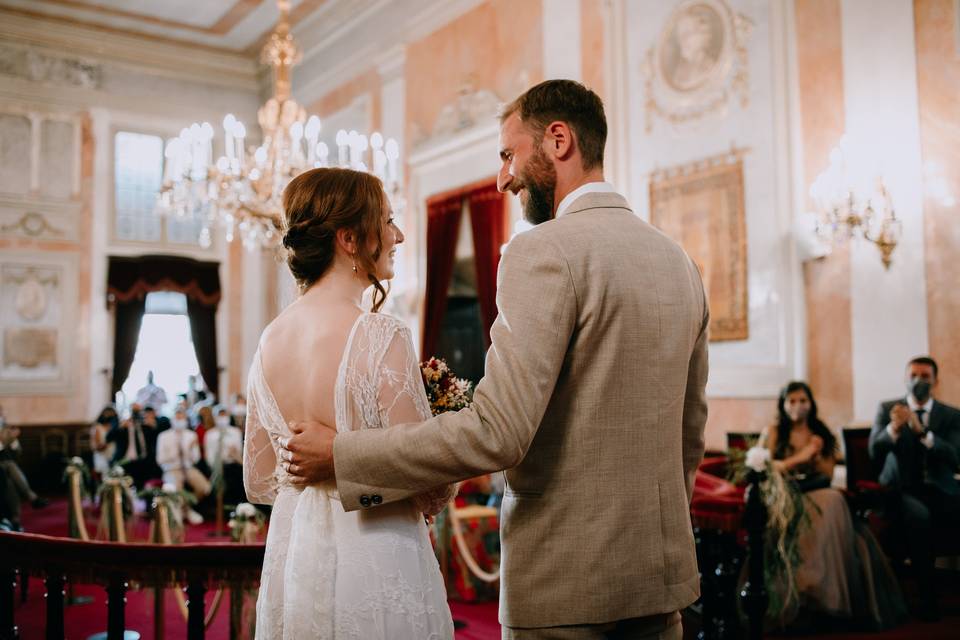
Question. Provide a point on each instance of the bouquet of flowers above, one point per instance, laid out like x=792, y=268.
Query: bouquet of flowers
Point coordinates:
x=445, y=391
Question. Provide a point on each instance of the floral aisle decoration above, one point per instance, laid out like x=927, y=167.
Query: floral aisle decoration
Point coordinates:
x=787, y=518
x=445, y=391
x=245, y=523
x=167, y=504
x=116, y=500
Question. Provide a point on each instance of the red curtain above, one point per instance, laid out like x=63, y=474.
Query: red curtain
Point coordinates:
x=443, y=227
x=489, y=224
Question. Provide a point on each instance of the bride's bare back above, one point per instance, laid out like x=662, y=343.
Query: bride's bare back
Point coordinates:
x=301, y=351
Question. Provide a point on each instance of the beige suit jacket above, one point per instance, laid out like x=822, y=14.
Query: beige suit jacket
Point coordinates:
x=593, y=400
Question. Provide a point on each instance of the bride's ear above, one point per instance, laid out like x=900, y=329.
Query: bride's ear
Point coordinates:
x=347, y=241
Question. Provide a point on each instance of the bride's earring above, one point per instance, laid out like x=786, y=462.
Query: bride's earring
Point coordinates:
x=354, y=266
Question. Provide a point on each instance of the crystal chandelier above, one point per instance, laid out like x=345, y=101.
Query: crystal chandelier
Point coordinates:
x=853, y=204
x=241, y=191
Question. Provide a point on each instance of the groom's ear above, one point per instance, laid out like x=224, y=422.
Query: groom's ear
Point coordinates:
x=558, y=140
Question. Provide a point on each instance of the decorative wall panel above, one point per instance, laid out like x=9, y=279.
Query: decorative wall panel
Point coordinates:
x=38, y=302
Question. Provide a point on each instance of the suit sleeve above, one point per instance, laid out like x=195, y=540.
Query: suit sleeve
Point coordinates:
x=529, y=339
x=880, y=441
x=695, y=401
x=944, y=445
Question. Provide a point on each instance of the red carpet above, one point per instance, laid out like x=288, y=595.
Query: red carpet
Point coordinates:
x=82, y=620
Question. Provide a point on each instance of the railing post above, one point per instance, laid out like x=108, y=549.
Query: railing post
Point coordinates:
x=116, y=604
x=159, y=613
x=196, y=589
x=54, y=598
x=754, y=592
x=8, y=590
x=236, y=610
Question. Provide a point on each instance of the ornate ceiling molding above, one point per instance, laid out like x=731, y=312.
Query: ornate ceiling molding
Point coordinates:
x=210, y=65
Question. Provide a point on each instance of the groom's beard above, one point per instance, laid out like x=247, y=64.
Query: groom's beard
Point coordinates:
x=539, y=178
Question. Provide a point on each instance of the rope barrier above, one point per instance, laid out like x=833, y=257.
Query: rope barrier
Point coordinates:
x=471, y=513
x=77, y=523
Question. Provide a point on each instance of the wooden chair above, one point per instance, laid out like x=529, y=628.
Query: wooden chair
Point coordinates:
x=741, y=440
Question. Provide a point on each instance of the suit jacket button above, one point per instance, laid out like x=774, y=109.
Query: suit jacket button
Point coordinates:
x=376, y=499
x=364, y=501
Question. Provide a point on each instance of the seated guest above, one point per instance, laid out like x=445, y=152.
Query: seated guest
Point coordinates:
x=224, y=451
x=15, y=486
x=842, y=572
x=103, y=450
x=153, y=426
x=178, y=452
x=238, y=410
x=130, y=444
x=915, y=443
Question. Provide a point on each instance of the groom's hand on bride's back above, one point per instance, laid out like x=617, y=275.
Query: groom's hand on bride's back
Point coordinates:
x=308, y=454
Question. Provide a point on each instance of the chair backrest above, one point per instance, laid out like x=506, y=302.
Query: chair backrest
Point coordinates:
x=856, y=452
x=741, y=440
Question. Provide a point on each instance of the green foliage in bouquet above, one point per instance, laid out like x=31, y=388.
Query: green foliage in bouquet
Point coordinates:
x=445, y=391
x=117, y=476
x=175, y=500
x=787, y=518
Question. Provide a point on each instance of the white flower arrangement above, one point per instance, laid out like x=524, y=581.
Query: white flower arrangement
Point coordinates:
x=757, y=458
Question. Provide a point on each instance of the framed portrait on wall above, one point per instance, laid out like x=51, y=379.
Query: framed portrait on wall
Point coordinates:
x=701, y=206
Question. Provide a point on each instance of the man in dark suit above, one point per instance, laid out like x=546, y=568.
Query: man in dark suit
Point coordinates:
x=131, y=450
x=915, y=443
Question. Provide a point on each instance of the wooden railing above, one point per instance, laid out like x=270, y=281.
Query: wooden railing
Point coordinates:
x=115, y=566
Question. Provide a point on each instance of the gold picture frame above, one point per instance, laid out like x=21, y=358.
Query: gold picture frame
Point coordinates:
x=701, y=206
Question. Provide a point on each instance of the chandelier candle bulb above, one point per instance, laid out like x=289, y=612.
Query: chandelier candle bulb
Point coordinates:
x=228, y=122
x=247, y=191
x=240, y=132
x=342, y=139
x=323, y=152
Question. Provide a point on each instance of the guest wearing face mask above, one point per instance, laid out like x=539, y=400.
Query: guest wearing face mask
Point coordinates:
x=915, y=443
x=178, y=452
x=842, y=573
x=223, y=451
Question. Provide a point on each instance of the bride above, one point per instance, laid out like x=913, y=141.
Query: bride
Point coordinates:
x=327, y=573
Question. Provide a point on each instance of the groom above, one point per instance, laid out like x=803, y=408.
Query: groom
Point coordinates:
x=593, y=398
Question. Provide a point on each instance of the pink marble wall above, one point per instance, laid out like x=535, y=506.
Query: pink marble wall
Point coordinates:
x=938, y=85
x=827, y=281
x=25, y=409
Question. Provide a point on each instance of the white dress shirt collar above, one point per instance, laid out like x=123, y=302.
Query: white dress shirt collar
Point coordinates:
x=914, y=405
x=590, y=187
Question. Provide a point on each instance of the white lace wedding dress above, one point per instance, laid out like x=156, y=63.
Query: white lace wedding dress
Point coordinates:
x=369, y=574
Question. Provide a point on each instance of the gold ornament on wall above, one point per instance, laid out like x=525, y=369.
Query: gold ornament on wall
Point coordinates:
x=699, y=64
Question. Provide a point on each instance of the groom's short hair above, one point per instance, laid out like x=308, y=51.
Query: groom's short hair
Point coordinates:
x=567, y=101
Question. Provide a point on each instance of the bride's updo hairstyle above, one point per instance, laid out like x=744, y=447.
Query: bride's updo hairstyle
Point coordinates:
x=319, y=202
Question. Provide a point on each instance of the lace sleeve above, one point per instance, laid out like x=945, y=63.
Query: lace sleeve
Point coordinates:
x=259, y=458
x=402, y=400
